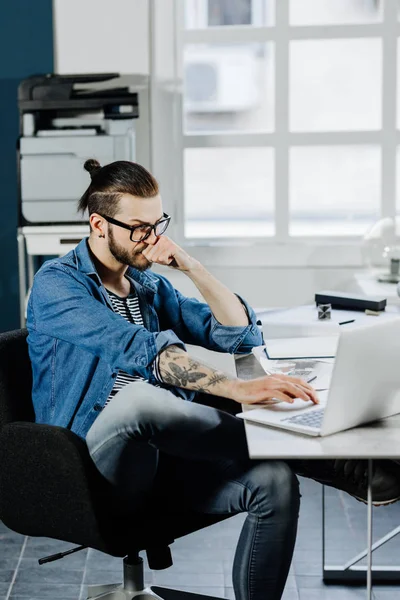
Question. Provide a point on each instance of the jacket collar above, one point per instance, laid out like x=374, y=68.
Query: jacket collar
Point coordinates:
x=84, y=264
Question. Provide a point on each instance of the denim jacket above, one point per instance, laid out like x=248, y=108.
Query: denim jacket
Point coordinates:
x=77, y=344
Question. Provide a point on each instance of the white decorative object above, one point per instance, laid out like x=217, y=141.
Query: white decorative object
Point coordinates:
x=381, y=248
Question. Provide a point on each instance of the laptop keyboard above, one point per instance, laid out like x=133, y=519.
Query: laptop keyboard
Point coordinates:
x=313, y=418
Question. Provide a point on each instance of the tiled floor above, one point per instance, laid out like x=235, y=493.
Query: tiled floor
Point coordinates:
x=203, y=560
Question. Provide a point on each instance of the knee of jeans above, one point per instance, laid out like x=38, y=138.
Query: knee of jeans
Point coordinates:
x=138, y=398
x=274, y=489
x=141, y=405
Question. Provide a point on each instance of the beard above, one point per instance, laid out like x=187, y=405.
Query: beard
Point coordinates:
x=133, y=258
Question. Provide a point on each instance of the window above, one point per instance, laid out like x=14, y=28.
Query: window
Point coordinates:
x=335, y=85
x=289, y=121
x=334, y=190
x=242, y=179
x=228, y=88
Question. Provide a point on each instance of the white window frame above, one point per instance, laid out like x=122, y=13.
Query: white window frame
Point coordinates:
x=282, y=249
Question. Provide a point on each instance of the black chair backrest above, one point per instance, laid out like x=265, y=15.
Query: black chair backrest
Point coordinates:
x=15, y=378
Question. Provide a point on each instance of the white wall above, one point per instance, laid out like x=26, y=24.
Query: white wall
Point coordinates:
x=100, y=36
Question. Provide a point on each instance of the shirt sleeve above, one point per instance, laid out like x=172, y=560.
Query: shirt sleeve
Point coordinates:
x=156, y=369
x=194, y=323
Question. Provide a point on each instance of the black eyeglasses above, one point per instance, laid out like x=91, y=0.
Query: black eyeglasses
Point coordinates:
x=142, y=231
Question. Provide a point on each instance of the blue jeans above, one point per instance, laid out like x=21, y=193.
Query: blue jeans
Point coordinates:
x=146, y=433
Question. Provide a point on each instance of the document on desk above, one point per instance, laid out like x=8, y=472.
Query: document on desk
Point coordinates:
x=274, y=328
x=302, y=347
x=317, y=371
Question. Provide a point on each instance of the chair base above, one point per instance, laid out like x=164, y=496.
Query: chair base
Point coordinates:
x=133, y=587
x=117, y=592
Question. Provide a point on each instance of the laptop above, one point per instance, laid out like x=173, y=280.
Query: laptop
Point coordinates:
x=365, y=386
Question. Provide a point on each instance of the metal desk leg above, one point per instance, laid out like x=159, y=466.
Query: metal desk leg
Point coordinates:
x=353, y=573
x=369, y=534
x=21, y=276
x=377, y=544
x=31, y=270
x=323, y=533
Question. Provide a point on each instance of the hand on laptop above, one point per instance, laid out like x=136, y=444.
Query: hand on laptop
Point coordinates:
x=266, y=390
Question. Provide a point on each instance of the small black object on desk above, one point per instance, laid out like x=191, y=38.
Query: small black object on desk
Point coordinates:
x=340, y=300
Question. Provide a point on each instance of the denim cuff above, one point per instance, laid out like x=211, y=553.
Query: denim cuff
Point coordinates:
x=237, y=339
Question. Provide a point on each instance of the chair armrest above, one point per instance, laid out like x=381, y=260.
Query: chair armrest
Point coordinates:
x=49, y=485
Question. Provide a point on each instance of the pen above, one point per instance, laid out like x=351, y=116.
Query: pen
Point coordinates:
x=346, y=322
x=312, y=379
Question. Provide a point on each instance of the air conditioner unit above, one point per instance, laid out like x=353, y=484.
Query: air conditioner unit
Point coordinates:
x=221, y=79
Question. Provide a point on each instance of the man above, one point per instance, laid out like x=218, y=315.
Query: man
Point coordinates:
x=107, y=345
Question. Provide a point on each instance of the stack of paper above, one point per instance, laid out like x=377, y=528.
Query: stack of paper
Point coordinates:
x=274, y=328
x=302, y=347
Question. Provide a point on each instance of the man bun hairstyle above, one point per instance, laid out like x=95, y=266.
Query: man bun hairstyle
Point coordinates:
x=91, y=166
x=112, y=181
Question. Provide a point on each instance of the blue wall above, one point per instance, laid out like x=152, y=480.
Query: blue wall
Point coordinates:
x=26, y=48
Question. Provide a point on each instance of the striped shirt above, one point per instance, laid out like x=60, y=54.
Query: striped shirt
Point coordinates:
x=129, y=309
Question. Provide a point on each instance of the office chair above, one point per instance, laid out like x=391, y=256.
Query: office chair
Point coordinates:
x=50, y=487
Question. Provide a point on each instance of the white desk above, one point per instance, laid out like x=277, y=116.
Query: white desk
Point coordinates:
x=366, y=283
x=377, y=440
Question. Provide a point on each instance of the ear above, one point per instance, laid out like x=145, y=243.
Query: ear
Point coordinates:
x=98, y=225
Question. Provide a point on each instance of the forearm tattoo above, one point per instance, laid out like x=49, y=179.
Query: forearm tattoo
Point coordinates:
x=177, y=368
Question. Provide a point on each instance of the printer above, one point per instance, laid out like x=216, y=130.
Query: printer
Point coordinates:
x=65, y=119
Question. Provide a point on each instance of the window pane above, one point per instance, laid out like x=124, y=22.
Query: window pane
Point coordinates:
x=200, y=14
x=398, y=82
x=398, y=182
x=331, y=12
x=335, y=85
x=228, y=88
x=229, y=192
x=334, y=190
